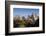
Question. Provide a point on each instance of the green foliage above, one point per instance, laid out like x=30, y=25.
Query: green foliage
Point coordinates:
x=22, y=23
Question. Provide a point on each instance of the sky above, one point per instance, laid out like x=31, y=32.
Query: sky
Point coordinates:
x=24, y=11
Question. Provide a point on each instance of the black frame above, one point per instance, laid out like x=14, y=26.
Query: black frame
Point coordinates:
x=7, y=3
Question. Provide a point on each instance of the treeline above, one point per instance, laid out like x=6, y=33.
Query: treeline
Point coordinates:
x=25, y=23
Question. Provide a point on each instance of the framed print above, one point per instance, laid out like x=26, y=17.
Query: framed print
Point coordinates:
x=24, y=17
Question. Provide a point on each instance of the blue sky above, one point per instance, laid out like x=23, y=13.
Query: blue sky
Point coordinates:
x=24, y=11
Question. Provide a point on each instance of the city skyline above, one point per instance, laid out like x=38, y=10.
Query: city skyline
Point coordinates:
x=24, y=11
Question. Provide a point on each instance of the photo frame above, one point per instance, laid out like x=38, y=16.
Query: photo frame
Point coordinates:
x=13, y=8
